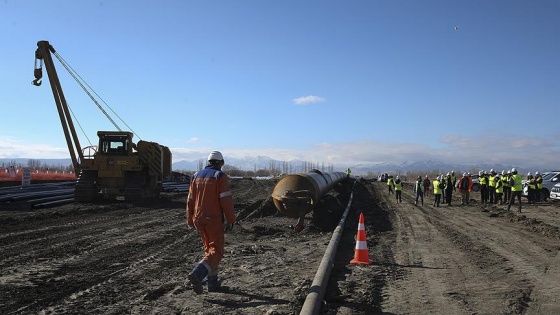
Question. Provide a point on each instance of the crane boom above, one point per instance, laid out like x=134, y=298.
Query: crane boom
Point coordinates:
x=43, y=55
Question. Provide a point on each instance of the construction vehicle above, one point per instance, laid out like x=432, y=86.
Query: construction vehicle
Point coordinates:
x=117, y=168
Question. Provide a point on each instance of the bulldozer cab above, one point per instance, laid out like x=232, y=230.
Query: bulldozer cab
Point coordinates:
x=115, y=143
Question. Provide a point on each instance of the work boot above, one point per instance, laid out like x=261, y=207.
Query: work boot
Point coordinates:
x=196, y=276
x=214, y=283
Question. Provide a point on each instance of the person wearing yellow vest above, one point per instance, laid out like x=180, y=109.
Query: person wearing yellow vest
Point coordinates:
x=483, y=181
x=390, y=184
x=398, y=189
x=419, y=190
x=531, y=187
x=454, y=180
x=438, y=186
x=492, y=187
x=538, y=191
x=505, y=184
x=516, y=188
x=348, y=172
x=499, y=190
x=448, y=184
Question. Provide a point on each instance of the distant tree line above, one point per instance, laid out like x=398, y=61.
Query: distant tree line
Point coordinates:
x=272, y=169
x=38, y=166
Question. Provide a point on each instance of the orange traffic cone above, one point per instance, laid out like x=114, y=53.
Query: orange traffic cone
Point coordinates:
x=361, y=252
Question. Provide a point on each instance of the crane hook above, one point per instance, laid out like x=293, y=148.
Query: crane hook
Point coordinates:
x=38, y=76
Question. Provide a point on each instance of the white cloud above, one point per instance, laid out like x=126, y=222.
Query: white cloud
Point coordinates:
x=15, y=148
x=193, y=139
x=310, y=99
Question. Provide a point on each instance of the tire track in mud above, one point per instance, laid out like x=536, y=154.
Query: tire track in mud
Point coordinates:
x=488, y=274
x=69, y=271
x=67, y=235
x=127, y=282
x=424, y=271
x=508, y=259
x=29, y=233
x=521, y=258
x=456, y=262
x=6, y=238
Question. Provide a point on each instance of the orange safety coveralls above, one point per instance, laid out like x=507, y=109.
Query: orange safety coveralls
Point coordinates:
x=208, y=201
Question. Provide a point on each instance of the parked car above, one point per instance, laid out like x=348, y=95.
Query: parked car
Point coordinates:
x=475, y=184
x=555, y=192
x=549, y=180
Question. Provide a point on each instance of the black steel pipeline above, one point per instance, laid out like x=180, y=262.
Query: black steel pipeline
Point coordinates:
x=314, y=299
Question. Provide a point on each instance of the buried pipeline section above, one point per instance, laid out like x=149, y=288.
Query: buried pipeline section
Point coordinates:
x=297, y=194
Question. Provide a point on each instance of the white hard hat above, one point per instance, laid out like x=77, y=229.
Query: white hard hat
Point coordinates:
x=215, y=155
x=503, y=172
x=448, y=174
x=465, y=174
x=513, y=170
x=529, y=174
x=397, y=176
x=480, y=173
x=537, y=173
x=491, y=170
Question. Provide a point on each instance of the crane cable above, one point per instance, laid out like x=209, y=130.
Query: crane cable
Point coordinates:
x=82, y=82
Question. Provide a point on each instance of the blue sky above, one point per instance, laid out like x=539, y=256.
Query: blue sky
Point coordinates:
x=341, y=82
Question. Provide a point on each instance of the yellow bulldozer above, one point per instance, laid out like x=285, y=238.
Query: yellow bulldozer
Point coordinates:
x=117, y=168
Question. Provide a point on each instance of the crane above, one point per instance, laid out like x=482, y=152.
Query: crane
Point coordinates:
x=117, y=168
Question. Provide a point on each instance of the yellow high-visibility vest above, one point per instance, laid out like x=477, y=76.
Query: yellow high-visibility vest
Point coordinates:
x=517, y=186
x=437, y=190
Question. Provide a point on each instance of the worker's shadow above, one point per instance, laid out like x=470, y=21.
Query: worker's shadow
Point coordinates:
x=250, y=300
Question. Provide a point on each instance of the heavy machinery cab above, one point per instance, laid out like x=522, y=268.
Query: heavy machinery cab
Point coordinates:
x=115, y=143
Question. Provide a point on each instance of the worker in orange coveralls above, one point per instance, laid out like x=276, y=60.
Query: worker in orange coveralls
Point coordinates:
x=209, y=202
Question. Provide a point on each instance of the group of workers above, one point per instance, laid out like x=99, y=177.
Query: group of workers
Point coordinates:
x=442, y=187
x=494, y=188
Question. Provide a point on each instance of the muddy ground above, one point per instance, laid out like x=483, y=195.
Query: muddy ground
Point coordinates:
x=133, y=258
